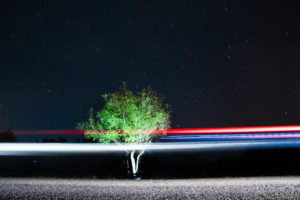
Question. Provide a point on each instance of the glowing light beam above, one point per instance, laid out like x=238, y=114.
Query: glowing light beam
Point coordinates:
x=233, y=136
x=29, y=149
x=186, y=131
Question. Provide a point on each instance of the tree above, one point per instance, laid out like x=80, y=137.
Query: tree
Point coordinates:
x=7, y=136
x=128, y=117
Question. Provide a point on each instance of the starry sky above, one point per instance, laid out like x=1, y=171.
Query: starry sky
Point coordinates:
x=218, y=63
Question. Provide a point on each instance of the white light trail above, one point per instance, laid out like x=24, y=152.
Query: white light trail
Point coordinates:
x=26, y=149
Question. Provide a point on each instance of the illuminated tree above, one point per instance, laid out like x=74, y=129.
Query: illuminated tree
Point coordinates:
x=130, y=118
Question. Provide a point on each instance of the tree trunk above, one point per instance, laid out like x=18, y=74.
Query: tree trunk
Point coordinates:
x=135, y=160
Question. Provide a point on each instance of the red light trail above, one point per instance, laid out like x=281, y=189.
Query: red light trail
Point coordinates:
x=186, y=131
x=232, y=130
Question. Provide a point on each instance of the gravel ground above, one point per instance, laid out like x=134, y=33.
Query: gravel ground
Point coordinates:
x=223, y=188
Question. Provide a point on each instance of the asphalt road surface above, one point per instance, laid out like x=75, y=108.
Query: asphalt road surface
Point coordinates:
x=221, y=188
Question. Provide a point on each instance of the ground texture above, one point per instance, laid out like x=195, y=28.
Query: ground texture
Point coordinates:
x=223, y=188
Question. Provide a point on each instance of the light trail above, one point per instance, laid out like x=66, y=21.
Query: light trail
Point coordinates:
x=233, y=130
x=50, y=132
x=203, y=139
x=233, y=136
x=50, y=149
x=186, y=131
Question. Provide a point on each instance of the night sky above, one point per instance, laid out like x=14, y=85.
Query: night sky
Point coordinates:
x=218, y=63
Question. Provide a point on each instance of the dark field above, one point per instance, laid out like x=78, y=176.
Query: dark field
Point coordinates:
x=157, y=165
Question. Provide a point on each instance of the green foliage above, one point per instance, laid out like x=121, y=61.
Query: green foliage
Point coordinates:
x=136, y=115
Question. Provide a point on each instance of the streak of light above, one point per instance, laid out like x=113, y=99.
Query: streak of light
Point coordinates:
x=231, y=130
x=186, y=131
x=233, y=136
x=27, y=149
